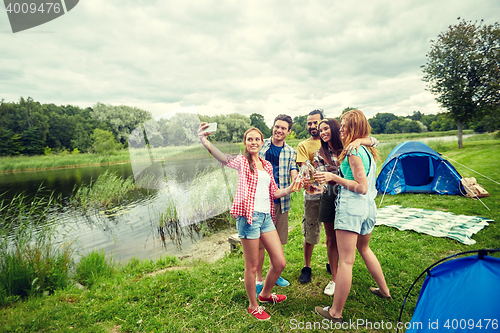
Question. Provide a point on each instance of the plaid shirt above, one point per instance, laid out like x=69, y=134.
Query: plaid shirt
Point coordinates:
x=288, y=156
x=326, y=166
x=244, y=200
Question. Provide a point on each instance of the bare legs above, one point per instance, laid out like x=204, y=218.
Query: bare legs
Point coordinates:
x=331, y=249
x=277, y=261
x=251, y=255
x=262, y=254
x=372, y=263
x=308, y=251
x=347, y=242
x=272, y=244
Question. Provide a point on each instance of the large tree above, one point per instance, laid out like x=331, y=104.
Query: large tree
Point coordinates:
x=257, y=120
x=463, y=70
x=380, y=121
x=120, y=119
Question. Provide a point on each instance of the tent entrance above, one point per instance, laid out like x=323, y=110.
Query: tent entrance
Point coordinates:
x=419, y=171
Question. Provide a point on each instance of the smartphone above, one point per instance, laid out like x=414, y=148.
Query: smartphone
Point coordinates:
x=212, y=127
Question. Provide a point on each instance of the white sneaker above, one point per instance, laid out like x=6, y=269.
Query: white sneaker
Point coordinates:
x=330, y=288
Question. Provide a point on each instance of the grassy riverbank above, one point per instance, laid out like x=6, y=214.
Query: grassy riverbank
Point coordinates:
x=58, y=161
x=41, y=162
x=197, y=296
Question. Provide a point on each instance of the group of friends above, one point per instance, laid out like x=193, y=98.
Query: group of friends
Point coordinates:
x=343, y=156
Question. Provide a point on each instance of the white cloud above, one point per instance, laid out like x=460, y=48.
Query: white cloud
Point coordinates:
x=228, y=56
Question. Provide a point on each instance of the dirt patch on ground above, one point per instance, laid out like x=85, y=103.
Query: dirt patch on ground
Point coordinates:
x=211, y=248
x=161, y=271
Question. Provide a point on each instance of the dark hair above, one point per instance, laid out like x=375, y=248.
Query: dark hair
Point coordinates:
x=317, y=111
x=246, y=153
x=284, y=117
x=335, y=142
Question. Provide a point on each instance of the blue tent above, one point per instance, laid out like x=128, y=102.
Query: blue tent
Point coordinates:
x=414, y=167
x=459, y=295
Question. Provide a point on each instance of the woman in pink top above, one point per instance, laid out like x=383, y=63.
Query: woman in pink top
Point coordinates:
x=254, y=212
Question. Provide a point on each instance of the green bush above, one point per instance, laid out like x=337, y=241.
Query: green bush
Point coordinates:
x=104, y=142
x=48, y=151
x=92, y=267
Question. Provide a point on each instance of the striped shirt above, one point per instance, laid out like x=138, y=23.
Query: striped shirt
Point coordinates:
x=287, y=159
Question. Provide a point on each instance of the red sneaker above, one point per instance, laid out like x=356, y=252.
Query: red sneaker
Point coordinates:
x=259, y=313
x=274, y=298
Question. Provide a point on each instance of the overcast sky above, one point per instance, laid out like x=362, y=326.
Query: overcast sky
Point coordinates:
x=264, y=57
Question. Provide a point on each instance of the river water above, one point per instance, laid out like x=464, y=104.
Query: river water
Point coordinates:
x=138, y=226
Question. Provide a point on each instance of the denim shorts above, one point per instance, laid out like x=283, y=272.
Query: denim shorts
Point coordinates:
x=355, y=212
x=261, y=223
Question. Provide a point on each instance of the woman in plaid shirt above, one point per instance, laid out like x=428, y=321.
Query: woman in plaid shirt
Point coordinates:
x=253, y=209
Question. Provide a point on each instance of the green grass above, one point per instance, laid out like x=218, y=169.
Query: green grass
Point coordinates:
x=93, y=267
x=54, y=161
x=33, y=163
x=211, y=298
x=416, y=136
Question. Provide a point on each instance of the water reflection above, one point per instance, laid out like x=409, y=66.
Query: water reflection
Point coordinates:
x=132, y=228
x=173, y=230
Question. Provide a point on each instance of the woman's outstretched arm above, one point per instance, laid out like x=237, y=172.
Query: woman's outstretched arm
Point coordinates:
x=220, y=156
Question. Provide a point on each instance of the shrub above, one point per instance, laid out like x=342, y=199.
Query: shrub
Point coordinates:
x=48, y=151
x=104, y=142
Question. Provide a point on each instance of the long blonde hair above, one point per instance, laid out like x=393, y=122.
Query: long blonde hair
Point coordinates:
x=246, y=153
x=356, y=126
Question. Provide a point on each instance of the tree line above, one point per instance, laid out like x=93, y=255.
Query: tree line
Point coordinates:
x=31, y=128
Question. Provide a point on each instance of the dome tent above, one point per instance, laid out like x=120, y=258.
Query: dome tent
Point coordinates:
x=458, y=295
x=414, y=167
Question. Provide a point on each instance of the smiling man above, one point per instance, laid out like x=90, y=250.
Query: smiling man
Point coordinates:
x=282, y=158
x=311, y=227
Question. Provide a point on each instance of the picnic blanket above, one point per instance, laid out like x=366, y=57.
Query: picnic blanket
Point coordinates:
x=432, y=222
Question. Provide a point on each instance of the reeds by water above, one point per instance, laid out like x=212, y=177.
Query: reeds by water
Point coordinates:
x=31, y=260
x=108, y=190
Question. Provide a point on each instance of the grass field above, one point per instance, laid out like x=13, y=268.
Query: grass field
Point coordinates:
x=197, y=296
x=33, y=163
